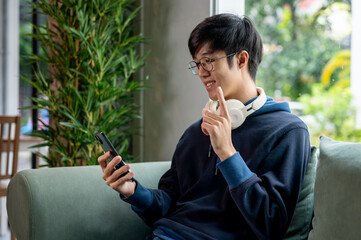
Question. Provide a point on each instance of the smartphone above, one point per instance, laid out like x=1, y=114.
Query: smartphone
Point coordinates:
x=107, y=146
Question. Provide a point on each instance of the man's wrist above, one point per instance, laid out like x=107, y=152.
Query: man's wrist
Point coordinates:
x=141, y=199
x=235, y=170
x=131, y=193
x=226, y=154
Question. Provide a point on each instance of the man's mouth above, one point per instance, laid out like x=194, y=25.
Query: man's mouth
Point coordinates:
x=210, y=83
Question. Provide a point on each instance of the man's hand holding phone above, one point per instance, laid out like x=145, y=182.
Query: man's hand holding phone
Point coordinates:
x=124, y=185
x=116, y=173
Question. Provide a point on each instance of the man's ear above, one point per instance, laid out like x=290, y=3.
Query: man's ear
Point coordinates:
x=242, y=57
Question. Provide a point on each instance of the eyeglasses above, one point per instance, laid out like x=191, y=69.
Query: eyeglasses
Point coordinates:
x=206, y=63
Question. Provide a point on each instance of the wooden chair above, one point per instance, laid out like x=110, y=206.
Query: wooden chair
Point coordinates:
x=9, y=148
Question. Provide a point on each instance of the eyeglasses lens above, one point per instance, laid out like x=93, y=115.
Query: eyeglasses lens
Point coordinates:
x=204, y=62
x=193, y=67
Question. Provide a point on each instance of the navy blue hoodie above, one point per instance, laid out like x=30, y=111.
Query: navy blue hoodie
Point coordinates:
x=251, y=195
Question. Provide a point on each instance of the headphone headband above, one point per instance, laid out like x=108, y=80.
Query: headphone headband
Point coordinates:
x=258, y=102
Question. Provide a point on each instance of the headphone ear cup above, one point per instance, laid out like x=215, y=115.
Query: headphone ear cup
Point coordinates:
x=234, y=110
x=206, y=107
x=237, y=118
x=214, y=107
x=211, y=106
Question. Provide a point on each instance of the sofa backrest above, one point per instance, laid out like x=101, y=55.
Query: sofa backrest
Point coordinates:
x=75, y=203
x=301, y=221
x=337, y=203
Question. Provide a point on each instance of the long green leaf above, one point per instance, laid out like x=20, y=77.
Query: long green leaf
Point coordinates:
x=91, y=57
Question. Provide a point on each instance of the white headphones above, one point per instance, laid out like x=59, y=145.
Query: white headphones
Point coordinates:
x=236, y=109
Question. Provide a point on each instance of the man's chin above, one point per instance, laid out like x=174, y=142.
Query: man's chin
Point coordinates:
x=212, y=96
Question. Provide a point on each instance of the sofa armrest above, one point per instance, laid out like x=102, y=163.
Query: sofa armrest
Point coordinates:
x=75, y=203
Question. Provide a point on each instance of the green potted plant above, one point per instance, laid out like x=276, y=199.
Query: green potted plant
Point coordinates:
x=90, y=48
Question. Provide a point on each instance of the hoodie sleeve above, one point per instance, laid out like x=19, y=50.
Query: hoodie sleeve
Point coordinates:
x=267, y=199
x=153, y=204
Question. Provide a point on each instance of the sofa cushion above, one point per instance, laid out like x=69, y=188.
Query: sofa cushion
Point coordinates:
x=302, y=217
x=337, y=194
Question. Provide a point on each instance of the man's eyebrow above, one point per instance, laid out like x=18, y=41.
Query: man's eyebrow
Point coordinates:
x=207, y=52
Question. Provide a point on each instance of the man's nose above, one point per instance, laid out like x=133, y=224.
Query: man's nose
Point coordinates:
x=202, y=72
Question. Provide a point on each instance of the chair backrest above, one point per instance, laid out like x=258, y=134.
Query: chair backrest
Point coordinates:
x=9, y=145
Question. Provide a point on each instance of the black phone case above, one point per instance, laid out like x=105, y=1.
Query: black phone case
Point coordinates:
x=107, y=146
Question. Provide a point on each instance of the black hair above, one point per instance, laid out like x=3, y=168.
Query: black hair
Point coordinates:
x=230, y=33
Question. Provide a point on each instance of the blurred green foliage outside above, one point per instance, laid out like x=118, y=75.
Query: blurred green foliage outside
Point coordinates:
x=306, y=61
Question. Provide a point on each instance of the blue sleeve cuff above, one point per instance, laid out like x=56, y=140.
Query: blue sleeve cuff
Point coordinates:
x=235, y=170
x=141, y=199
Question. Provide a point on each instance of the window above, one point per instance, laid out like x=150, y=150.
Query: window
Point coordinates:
x=307, y=61
x=27, y=48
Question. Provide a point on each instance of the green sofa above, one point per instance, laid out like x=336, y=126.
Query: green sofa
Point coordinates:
x=75, y=203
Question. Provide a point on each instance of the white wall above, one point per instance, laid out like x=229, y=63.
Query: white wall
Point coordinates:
x=1, y=55
x=356, y=58
x=228, y=6
x=9, y=57
x=9, y=73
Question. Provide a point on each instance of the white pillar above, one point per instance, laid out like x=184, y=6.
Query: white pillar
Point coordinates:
x=356, y=58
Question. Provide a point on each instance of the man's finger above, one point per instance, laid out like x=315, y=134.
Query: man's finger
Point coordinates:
x=115, y=175
x=204, y=129
x=126, y=178
x=222, y=103
x=102, y=160
x=110, y=167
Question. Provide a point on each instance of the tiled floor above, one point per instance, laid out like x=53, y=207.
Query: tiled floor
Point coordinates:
x=24, y=163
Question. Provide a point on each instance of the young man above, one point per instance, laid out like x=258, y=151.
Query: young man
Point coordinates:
x=227, y=180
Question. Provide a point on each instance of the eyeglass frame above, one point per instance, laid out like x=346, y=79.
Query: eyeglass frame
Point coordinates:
x=209, y=61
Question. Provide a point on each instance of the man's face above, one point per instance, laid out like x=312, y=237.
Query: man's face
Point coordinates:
x=229, y=78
